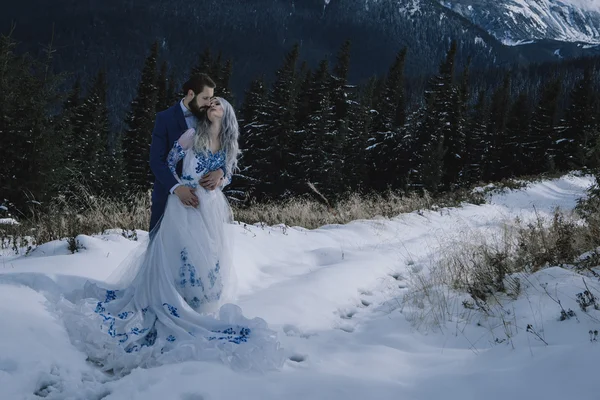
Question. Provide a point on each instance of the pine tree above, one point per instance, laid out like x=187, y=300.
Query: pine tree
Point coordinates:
x=517, y=129
x=276, y=174
x=438, y=131
x=476, y=141
x=455, y=138
x=574, y=144
x=304, y=101
x=320, y=152
x=65, y=129
x=30, y=153
x=538, y=148
x=498, y=152
x=92, y=137
x=348, y=116
x=356, y=166
x=253, y=142
x=204, y=65
x=140, y=122
x=224, y=75
x=388, y=156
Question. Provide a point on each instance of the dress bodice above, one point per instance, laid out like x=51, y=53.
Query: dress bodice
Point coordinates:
x=196, y=164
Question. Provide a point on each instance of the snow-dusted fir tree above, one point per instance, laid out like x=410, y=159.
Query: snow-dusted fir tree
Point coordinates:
x=539, y=146
x=497, y=156
x=65, y=129
x=253, y=141
x=387, y=146
x=517, y=130
x=223, y=78
x=573, y=147
x=350, y=122
x=476, y=141
x=276, y=174
x=92, y=134
x=436, y=133
x=455, y=138
x=140, y=123
x=319, y=159
x=30, y=153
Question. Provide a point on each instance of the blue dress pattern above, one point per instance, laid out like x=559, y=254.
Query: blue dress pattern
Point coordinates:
x=197, y=165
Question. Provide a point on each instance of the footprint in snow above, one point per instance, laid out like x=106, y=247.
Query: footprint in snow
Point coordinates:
x=347, y=314
x=365, y=303
x=397, y=276
x=298, y=358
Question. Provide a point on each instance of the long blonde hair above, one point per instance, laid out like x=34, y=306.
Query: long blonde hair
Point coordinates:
x=228, y=136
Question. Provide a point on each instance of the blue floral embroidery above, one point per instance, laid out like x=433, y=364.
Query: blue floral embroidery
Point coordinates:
x=172, y=310
x=138, y=331
x=110, y=295
x=209, y=161
x=189, y=181
x=212, y=278
x=132, y=349
x=123, y=337
x=212, y=275
x=170, y=338
x=99, y=308
x=182, y=280
x=124, y=314
x=175, y=155
x=231, y=335
x=195, y=302
x=186, y=267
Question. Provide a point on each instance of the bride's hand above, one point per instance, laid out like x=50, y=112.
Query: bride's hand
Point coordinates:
x=187, y=196
x=211, y=180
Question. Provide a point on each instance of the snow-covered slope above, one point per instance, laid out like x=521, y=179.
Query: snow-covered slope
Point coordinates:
x=336, y=297
x=517, y=21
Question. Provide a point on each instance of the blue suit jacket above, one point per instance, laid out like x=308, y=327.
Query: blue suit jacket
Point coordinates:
x=169, y=126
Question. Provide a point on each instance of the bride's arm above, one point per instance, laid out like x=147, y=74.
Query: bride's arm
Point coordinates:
x=178, y=152
x=226, y=179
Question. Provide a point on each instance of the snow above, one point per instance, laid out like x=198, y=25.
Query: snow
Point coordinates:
x=8, y=221
x=337, y=298
x=480, y=41
x=521, y=20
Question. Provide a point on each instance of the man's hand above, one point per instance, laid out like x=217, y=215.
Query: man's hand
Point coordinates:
x=187, y=196
x=211, y=180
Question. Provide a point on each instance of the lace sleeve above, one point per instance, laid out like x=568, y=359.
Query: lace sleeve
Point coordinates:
x=178, y=151
x=175, y=155
x=226, y=176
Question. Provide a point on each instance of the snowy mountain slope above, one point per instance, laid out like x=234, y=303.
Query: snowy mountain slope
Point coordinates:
x=335, y=297
x=517, y=21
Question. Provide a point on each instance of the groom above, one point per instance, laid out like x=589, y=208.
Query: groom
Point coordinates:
x=169, y=126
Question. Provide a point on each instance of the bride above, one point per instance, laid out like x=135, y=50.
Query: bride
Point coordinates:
x=168, y=302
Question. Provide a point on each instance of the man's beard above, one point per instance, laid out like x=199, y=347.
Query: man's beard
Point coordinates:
x=199, y=112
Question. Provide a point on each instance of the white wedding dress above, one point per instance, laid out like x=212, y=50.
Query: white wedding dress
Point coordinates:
x=168, y=304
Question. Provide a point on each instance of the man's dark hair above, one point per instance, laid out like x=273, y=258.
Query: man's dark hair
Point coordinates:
x=197, y=83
